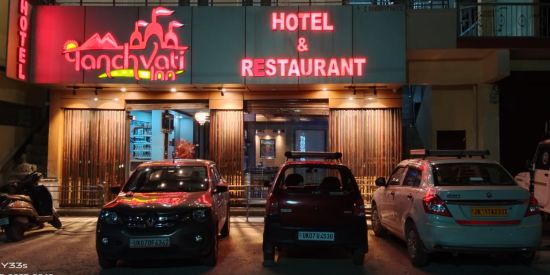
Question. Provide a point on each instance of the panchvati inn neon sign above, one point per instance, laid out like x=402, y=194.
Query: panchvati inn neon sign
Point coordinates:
x=164, y=62
x=302, y=67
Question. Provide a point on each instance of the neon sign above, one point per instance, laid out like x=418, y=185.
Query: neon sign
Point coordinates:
x=164, y=62
x=302, y=67
x=22, y=47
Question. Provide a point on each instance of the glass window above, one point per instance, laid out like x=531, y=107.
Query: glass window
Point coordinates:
x=316, y=179
x=413, y=177
x=462, y=174
x=168, y=179
x=395, y=178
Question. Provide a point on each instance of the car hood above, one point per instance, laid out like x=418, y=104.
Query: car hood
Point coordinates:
x=162, y=200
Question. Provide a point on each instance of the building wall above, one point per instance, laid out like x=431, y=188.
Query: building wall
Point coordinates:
x=3, y=31
x=422, y=33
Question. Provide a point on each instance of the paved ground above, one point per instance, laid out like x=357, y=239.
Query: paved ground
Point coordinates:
x=71, y=250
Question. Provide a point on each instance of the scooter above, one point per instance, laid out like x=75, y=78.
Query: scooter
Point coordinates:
x=26, y=205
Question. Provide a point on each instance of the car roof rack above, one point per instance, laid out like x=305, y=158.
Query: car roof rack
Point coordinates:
x=313, y=155
x=448, y=153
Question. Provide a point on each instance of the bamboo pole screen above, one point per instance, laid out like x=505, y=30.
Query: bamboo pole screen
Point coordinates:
x=94, y=155
x=226, y=146
x=370, y=141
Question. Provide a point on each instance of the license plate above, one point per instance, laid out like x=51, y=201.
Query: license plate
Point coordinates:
x=4, y=221
x=316, y=236
x=488, y=212
x=149, y=242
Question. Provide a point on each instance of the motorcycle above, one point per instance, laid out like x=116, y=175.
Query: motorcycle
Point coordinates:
x=26, y=205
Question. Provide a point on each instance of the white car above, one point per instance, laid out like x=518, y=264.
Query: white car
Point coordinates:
x=542, y=176
x=450, y=201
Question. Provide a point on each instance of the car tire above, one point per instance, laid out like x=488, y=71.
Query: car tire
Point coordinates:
x=269, y=256
x=106, y=263
x=15, y=231
x=358, y=256
x=415, y=247
x=225, y=229
x=211, y=258
x=527, y=257
x=377, y=226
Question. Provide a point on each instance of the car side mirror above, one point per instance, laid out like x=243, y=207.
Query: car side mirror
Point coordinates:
x=381, y=181
x=115, y=189
x=221, y=188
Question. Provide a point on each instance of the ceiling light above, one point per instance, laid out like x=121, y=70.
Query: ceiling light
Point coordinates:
x=123, y=89
x=115, y=99
x=96, y=99
x=173, y=90
x=324, y=89
x=350, y=98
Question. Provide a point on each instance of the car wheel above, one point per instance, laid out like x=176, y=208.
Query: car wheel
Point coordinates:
x=225, y=229
x=377, y=226
x=358, y=256
x=212, y=257
x=269, y=256
x=106, y=263
x=15, y=231
x=527, y=257
x=415, y=248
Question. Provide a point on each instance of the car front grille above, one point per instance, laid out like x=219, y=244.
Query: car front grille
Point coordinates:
x=155, y=220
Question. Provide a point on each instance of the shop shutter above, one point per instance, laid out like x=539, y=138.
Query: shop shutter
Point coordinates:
x=94, y=155
x=370, y=141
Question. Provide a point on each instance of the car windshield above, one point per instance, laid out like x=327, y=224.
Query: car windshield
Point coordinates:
x=316, y=179
x=461, y=174
x=168, y=179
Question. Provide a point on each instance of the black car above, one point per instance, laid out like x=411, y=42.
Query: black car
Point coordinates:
x=166, y=210
x=315, y=203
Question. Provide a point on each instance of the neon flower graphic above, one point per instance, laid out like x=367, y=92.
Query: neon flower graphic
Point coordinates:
x=164, y=61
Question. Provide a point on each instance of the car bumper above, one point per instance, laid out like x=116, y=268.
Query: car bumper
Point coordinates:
x=182, y=242
x=352, y=236
x=444, y=234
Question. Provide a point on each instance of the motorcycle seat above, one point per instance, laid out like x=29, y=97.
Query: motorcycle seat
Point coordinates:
x=20, y=198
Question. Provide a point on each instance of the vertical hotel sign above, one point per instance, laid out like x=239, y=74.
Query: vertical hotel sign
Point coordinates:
x=18, y=40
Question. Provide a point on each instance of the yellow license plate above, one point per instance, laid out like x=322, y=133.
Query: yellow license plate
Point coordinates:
x=488, y=212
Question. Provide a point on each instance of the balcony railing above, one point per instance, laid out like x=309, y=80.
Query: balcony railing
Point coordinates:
x=503, y=19
x=379, y=4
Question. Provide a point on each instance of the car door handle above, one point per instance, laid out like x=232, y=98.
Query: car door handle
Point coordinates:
x=409, y=196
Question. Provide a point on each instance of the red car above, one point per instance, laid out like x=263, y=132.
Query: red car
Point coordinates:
x=315, y=203
x=167, y=210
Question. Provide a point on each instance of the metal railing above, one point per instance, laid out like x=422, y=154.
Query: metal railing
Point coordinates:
x=380, y=4
x=503, y=19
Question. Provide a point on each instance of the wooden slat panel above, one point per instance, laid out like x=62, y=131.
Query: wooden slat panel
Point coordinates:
x=370, y=141
x=93, y=156
x=226, y=146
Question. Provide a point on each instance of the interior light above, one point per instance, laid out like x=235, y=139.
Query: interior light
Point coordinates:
x=123, y=89
x=96, y=99
x=173, y=90
x=325, y=89
x=115, y=99
x=350, y=98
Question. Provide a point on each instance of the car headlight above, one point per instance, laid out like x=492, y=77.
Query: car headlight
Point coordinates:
x=109, y=217
x=200, y=215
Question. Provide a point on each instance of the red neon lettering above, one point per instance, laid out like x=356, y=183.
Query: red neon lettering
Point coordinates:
x=319, y=67
x=23, y=7
x=282, y=63
x=246, y=67
x=164, y=60
x=88, y=62
x=107, y=62
x=304, y=16
x=23, y=24
x=316, y=21
x=258, y=69
x=291, y=22
x=22, y=55
x=293, y=69
x=270, y=69
x=278, y=21
x=305, y=67
x=21, y=72
x=116, y=62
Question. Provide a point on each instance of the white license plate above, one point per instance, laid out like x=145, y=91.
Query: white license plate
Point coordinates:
x=316, y=236
x=149, y=242
x=4, y=221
